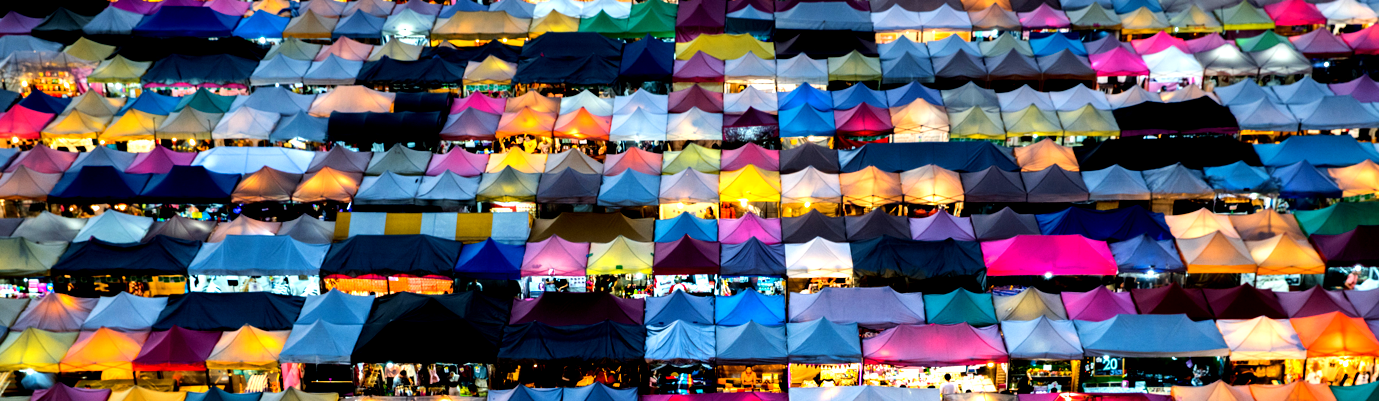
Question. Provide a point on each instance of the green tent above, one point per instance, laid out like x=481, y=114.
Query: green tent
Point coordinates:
x=1363, y=392
x=653, y=17
x=605, y=25
x=205, y=102
x=1262, y=42
x=961, y=306
x=1338, y=218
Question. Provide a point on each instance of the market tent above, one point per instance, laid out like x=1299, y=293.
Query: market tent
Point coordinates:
x=749, y=306
x=876, y=223
x=1265, y=224
x=1109, y=225
x=1334, y=112
x=341, y=159
x=1115, y=183
x=739, y=230
x=621, y=255
x=566, y=309
x=246, y=160
x=629, y=188
x=243, y=225
x=54, y=313
x=247, y=348
x=204, y=311
x=490, y=260
x=327, y=184
x=333, y=70
x=1029, y=304
x=1155, y=336
x=884, y=307
x=593, y=227
x=160, y=256
x=1285, y=254
x=679, y=306
x=189, y=184
x=1041, y=338
x=24, y=183
x=1348, y=248
x=1199, y=223
x=1240, y=177
x=176, y=349
x=508, y=185
x=591, y=342
x=1171, y=300
x=1144, y=254
x=960, y=306
x=26, y=258
x=818, y=257
x=1097, y=305
x=49, y=227
x=1177, y=182
x=1004, y=224
x=62, y=392
x=1366, y=302
x=1337, y=218
x=277, y=256
x=160, y=160
x=750, y=343
x=34, y=349
x=307, y=229
x=680, y=341
x=751, y=184
x=897, y=257
x=689, y=186
x=1335, y=334
x=870, y=188
x=171, y=21
x=320, y=342
x=266, y=185
x=293, y=394
x=420, y=255
x=43, y=159
x=752, y=258
x=98, y=184
x=402, y=325
x=1318, y=150
x=1261, y=338
x=113, y=21
x=115, y=227
x=336, y=307
x=1315, y=301
x=935, y=345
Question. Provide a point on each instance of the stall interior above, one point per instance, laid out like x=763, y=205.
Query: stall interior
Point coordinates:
x=417, y=379
x=551, y=374
x=109, y=285
x=753, y=378
x=284, y=285
x=977, y=378
x=836, y=375
x=694, y=378
x=380, y=285
x=1105, y=374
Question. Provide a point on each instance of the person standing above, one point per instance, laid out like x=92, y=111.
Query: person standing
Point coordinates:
x=948, y=386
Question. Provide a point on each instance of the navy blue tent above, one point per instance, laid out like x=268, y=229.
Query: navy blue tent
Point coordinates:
x=648, y=59
x=490, y=260
x=98, y=184
x=161, y=256
x=406, y=328
x=572, y=44
x=1302, y=179
x=207, y=311
x=823, y=342
x=216, y=394
x=806, y=95
x=573, y=70
x=1148, y=154
x=262, y=25
x=8, y=98
x=1142, y=254
x=593, y=342
x=1239, y=176
x=43, y=103
x=896, y=257
x=679, y=305
x=418, y=255
x=752, y=258
x=505, y=52
x=955, y=156
x=189, y=184
x=421, y=72
x=201, y=22
x=907, y=94
x=1105, y=225
x=751, y=343
x=152, y=103
x=197, y=70
x=750, y=306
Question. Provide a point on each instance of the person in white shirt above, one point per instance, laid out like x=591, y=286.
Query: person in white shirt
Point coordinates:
x=948, y=386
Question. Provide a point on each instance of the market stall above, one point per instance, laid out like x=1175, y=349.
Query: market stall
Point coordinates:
x=823, y=353
x=280, y=265
x=1114, y=355
x=1263, y=350
x=395, y=336
x=364, y=264
x=1046, y=354
x=922, y=355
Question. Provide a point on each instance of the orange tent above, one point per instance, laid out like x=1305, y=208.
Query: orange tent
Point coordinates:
x=104, y=350
x=1335, y=334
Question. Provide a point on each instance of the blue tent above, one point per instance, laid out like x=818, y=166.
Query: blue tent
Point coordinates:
x=161, y=256
x=43, y=103
x=648, y=59
x=680, y=341
x=98, y=184
x=273, y=255
x=1151, y=336
x=1239, y=176
x=593, y=392
x=679, y=306
x=321, y=342
x=806, y=120
x=857, y=94
x=216, y=394
x=460, y=6
x=805, y=95
x=524, y=393
x=490, y=260
x=910, y=92
x=955, y=156
x=960, y=306
x=1052, y=44
x=1142, y=254
x=750, y=306
x=189, y=184
x=1366, y=392
x=1105, y=225
x=1320, y=150
x=823, y=342
x=336, y=307
x=873, y=307
x=206, y=311
x=750, y=344
x=197, y=70
x=359, y=26
x=592, y=342
x=174, y=21
x=752, y=258
x=152, y=103
x=262, y=25
x=630, y=188
x=1302, y=180
x=668, y=230
x=1041, y=338
x=1129, y=6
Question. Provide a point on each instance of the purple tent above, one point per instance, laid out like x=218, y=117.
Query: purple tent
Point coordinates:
x=1365, y=302
x=17, y=24
x=1315, y=301
x=1244, y=302
x=941, y=226
x=62, y=392
x=695, y=96
x=685, y=256
x=176, y=349
x=1363, y=88
x=700, y=67
x=577, y=308
x=1097, y=305
x=699, y=17
x=717, y=396
x=1350, y=248
x=1172, y=300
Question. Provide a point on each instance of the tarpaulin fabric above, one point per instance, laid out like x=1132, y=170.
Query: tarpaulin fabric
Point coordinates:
x=63, y=392
x=930, y=185
x=1154, y=336
x=593, y=392
x=1041, y=338
x=54, y=313
x=1366, y=302
x=402, y=326
x=1143, y=254
x=942, y=345
x=686, y=224
x=176, y=349
x=1338, y=218
x=1315, y=301
x=1029, y=304
x=1244, y=302
x=382, y=254
x=1097, y=305
x=679, y=306
x=821, y=341
x=1335, y=334
x=680, y=341
x=750, y=343
x=1171, y=300
x=592, y=342
x=960, y=306
x=293, y=394
x=1004, y=224
x=896, y=257
x=160, y=256
x=35, y=349
x=204, y=311
x=1106, y=225
x=567, y=309
x=752, y=258
x=1261, y=338
x=1349, y=248
x=1239, y=176
x=115, y=227
x=686, y=256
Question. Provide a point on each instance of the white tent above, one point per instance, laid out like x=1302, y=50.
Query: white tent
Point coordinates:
x=276, y=99
x=387, y=189
x=1115, y=183
x=1077, y=97
x=896, y=19
x=588, y=101
x=49, y=227
x=273, y=256
x=320, y=342
x=801, y=69
x=1347, y=12
x=749, y=67
x=952, y=45
x=101, y=156
x=246, y=123
x=694, y=125
x=1133, y=96
x=1264, y=115
x=1261, y=338
x=1305, y=90
x=568, y=7
x=1334, y=112
x=1042, y=338
x=945, y=18
x=1024, y=97
x=1177, y=182
x=279, y=71
x=818, y=258
x=246, y=160
x=1282, y=59
x=447, y=187
x=408, y=23
x=751, y=97
x=115, y=227
x=1227, y=60
x=689, y=186
x=1172, y=63
x=639, y=125
x=902, y=47
x=307, y=229
x=125, y=312
x=614, y=8
x=334, y=70
x=921, y=119
x=641, y=100
x=352, y=99
x=810, y=185
x=1241, y=93
x=1199, y=223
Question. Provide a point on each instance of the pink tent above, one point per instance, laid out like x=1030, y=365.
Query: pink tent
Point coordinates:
x=1206, y=43
x=739, y=230
x=695, y=96
x=459, y=161
x=1158, y=42
x=1363, y=89
x=1118, y=62
x=230, y=7
x=941, y=226
x=699, y=68
x=1098, y=304
x=864, y=120
x=144, y=7
x=1320, y=43
x=1295, y=12
x=634, y=158
x=1364, y=41
x=1034, y=255
x=751, y=154
x=159, y=161
x=1044, y=17
x=23, y=123
x=484, y=103
x=43, y=159
x=555, y=256
x=935, y=345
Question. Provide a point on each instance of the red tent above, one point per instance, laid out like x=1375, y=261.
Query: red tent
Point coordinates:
x=686, y=256
x=1335, y=334
x=22, y=123
x=1295, y=12
x=751, y=154
x=863, y=120
x=695, y=96
x=935, y=345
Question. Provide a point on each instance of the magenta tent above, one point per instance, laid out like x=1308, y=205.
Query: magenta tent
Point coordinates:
x=1118, y=62
x=555, y=256
x=1097, y=305
x=176, y=349
x=458, y=161
x=577, y=308
x=695, y=96
x=1044, y=17
x=1295, y=12
x=480, y=102
x=138, y=6
x=1320, y=43
x=23, y=123
x=1364, y=89
x=1364, y=41
x=1205, y=43
x=739, y=230
x=17, y=24
x=685, y=256
x=1158, y=43
x=635, y=159
x=43, y=159
x=750, y=125
x=700, y=67
x=1036, y=255
x=160, y=160
x=699, y=17
x=935, y=345
x=750, y=154
x=62, y=392
x=717, y=396
x=864, y=120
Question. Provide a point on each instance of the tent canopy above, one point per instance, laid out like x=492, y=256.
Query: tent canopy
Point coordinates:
x=205, y=311
x=400, y=326
x=1154, y=336
x=935, y=345
x=1056, y=254
x=1042, y=338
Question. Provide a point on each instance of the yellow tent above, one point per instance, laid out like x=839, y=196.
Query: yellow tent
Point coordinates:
x=145, y=394
x=508, y=185
x=104, y=350
x=247, y=348
x=931, y=185
x=1089, y=121
x=976, y=123
x=1359, y=179
x=1045, y=153
x=1199, y=223
x=1264, y=224
x=921, y=119
x=119, y=70
x=480, y=25
x=76, y=125
x=271, y=6
x=492, y=71
x=553, y=22
x=870, y=187
x=35, y=349
x=396, y=50
x=190, y=123
x=1032, y=121
x=310, y=25
x=89, y=50
x=725, y=47
x=518, y=160
x=293, y=394
x=327, y=184
x=854, y=67
x=1285, y=254
x=751, y=184
x=525, y=122
x=1142, y=20
x=696, y=157
x=622, y=256
x=1215, y=253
